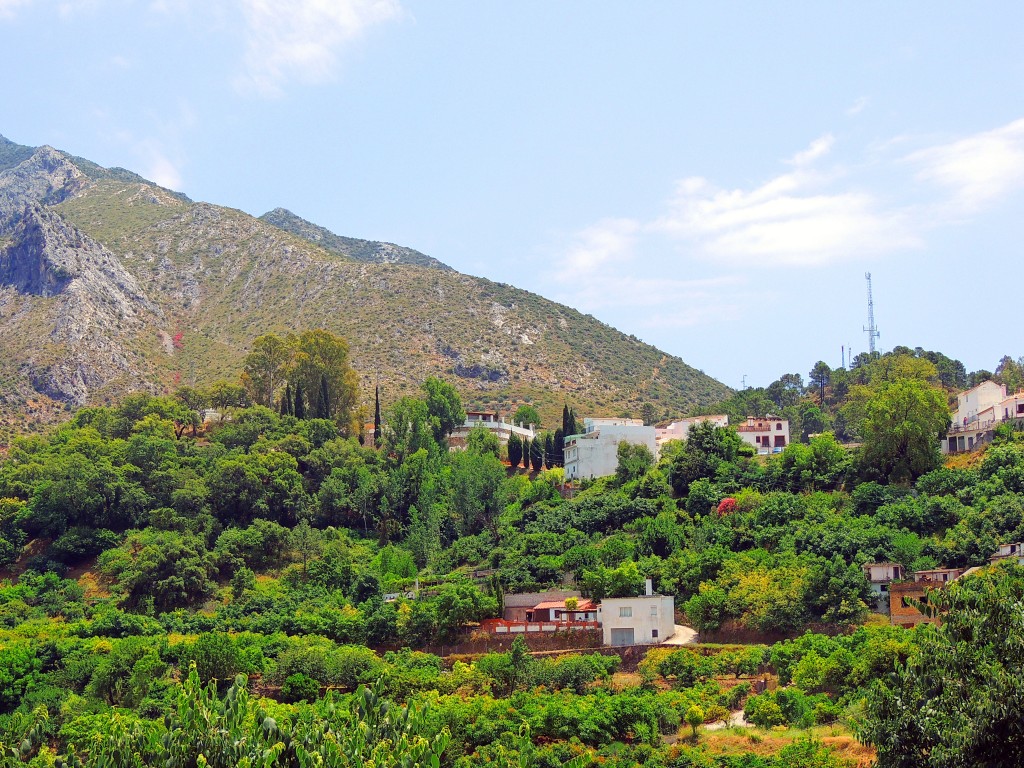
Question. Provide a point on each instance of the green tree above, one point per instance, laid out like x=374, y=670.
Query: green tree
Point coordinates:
x=444, y=406
x=458, y=604
x=515, y=450
x=956, y=701
x=323, y=401
x=299, y=409
x=901, y=427
x=225, y=395
x=376, y=414
x=163, y=570
x=526, y=415
x=648, y=414
x=819, y=376
x=265, y=368
x=537, y=453
x=483, y=440
x=694, y=718
x=318, y=355
x=635, y=460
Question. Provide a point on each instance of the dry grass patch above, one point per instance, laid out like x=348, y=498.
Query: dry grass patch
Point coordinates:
x=740, y=741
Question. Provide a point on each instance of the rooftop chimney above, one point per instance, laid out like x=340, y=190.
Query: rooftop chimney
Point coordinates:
x=648, y=587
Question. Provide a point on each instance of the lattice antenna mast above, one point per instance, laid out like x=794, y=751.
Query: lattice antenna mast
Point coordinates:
x=872, y=331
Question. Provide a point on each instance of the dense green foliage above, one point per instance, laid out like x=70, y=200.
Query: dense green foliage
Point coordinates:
x=275, y=548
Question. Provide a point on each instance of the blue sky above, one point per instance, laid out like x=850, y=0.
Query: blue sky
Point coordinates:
x=713, y=178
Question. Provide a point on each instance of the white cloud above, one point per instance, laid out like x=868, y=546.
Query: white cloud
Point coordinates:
x=300, y=39
x=977, y=170
x=857, y=107
x=794, y=219
x=161, y=170
x=8, y=8
x=595, y=247
x=819, y=148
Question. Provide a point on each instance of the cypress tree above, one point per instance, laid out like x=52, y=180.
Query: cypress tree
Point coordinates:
x=559, y=448
x=549, y=450
x=526, y=453
x=537, y=453
x=515, y=450
x=376, y=414
x=565, y=420
x=323, y=402
x=300, y=402
x=286, y=401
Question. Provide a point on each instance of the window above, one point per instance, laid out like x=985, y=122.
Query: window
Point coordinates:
x=625, y=612
x=779, y=426
x=654, y=611
x=654, y=633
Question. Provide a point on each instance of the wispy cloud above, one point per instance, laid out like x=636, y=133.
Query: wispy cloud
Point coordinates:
x=858, y=106
x=798, y=218
x=300, y=39
x=8, y=8
x=684, y=263
x=978, y=169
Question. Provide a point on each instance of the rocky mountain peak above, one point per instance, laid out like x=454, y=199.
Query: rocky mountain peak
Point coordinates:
x=47, y=177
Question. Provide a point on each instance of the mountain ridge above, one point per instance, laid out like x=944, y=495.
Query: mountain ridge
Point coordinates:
x=361, y=250
x=135, y=286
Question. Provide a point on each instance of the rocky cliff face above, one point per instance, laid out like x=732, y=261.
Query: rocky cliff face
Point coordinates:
x=96, y=305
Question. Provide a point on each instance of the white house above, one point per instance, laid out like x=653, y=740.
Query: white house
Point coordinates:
x=680, y=430
x=595, y=452
x=979, y=411
x=768, y=435
x=502, y=429
x=645, y=620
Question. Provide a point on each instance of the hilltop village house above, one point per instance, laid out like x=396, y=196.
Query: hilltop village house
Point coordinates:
x=500, y=428
x=979, y=411
x=595, y=452
x=647, y=619
x=768, y=435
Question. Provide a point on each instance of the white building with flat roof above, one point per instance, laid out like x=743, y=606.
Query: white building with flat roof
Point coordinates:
x=645, y=620
x=680, y=430
x=594, y=453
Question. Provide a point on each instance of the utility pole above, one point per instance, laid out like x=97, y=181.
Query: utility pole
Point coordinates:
x=871, y=330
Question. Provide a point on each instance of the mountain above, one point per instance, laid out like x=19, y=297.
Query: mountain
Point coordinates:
x=110, y=283
x=354, y=248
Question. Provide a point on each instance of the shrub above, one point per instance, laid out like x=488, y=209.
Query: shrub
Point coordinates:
x=299, y=687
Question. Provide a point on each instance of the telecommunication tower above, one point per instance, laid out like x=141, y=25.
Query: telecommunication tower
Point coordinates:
x=872, y=331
